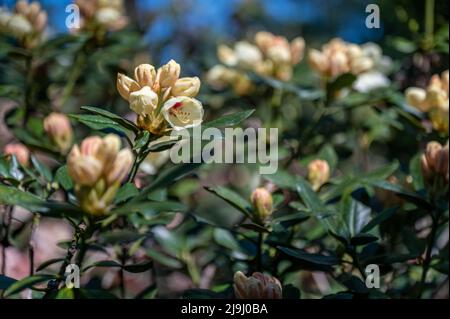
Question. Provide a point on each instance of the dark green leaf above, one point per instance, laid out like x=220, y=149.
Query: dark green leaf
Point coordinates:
x=310, y=258
x=25, y=283
x=233, y=199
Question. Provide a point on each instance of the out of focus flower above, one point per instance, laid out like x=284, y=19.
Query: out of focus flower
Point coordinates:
x=97, y=168
x=20, y=151
x=318, y=173
x=161, y=99
x=434, y=100
x=58, y=128
x=270, y=55
x=27, y=23
x=262, y=203
x=257, y=286
x=102, y=14
x=338, y=57
x=434, y=162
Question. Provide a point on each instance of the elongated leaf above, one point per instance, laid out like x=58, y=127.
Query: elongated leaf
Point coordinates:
x=25, y=283
x=62, y=178
x=229, y=120
x=283, y=179
x=233, y=199
x=48, y=263
x=380, y=218
x=343, y=81
x=354, y=215
x=164, y=259
x=116, y=118
x=363, y=239
x=99, y=123
x=309, y=197
x=311, y=258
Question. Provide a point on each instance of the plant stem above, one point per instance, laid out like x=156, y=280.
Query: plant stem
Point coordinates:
x=429, y=20
x=259, y=252
x=123, y=259
x=6, y=223
x=427, y=260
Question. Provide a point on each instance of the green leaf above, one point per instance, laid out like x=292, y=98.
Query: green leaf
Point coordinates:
x=126, y=124
x=148, y=293
x=126, y=192
x=49, y=262
x=362, y=239
x=379, y=218
x=414, y=198
x=354, y=215
x=62, y=178
x=43, y=170
x=229, y=120
x=233, y=199
x=142, y=139
x=328, y=154
x=138, y=268
x=5, y=282
x=343, y=81
x=99, y=123
x=65, y=293
x=283, y=179
x=119, y=236
x=310, y=258
x=25, y=283
x=309, y=197
x=164, y=259
x=226, y=239
x=149, y=207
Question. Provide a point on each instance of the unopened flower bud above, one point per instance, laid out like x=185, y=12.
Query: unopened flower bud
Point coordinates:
x=40, y=22
x=262, y=203
x=169, y=74
x=318, y=173
x=58, y=128
x=257, y=286
x=126, y=85
x=19, y=26
x=442, y=162
x=186, y=87
x=90, y=146
x=297, y=50
x=439, y=117
x=143, y=101
x=107, y=16
x=432, y=152
x=108, y=149
x=248, y=55
x=120, y=167
x=338, y=64
x=361, y=65
x=226, y=55
x=20, y=151
x=417, y=97
x=83, y=169
x=145, y=75
x=318, y=61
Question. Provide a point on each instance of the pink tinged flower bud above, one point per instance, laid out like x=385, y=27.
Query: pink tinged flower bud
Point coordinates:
x=40, y=22
x=297, y=50
x=108, y=149
x=120, y=167
x=126, y=85
x=58, y=128
x=417, y=98
x=168, y=74
x=84, y=170
x=280, y=54
x=432, y=153
x=183, y=112
x=145, y=75
x=264, y=40
x=22, y=7
x=442, y=162
x=33, y=10
x=318, y=173
x=20, y=151
x=339, y=64
x=318, y=61
x=186, y=87
x=427, y=172
x=257, y=286
x=262, y=203
x=144, y=101
x=90, y=146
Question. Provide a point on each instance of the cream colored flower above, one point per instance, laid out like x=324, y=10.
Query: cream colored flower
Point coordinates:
x=226, y=55
x=183, y=112
x=168, y=74
x=247, y=54
x=417, y=98
x=144, y=101
x=97, y=169
x=186, y=87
